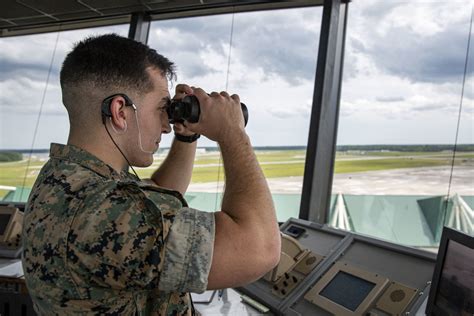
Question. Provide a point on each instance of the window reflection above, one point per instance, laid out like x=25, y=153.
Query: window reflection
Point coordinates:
x=403, y=73
x=272, y=66
x=29, y=84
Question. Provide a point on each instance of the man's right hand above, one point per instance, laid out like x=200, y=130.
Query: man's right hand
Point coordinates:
x=221, y=117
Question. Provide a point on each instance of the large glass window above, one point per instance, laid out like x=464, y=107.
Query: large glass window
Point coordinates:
x=271, y=66
x=401, y=94
x=31, y=112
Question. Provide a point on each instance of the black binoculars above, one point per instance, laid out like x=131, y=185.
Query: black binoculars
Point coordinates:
x=188, y=109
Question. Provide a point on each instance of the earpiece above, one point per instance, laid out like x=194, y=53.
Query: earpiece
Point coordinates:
x=105, y=107
x=106, y=112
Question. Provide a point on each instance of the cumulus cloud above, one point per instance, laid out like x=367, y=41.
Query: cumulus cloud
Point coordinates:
x=414, y=40
x=285, y=49
x=26, y=62
x=403, y=68
x=389, y=99
x=295, y=110
x=259, y=40
x=429, y=107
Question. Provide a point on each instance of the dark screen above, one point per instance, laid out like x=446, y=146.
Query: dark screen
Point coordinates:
x=347, y=290
x=4, y=219
x=455, y=295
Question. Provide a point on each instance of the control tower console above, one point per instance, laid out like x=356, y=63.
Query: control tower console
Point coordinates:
x=326, y=271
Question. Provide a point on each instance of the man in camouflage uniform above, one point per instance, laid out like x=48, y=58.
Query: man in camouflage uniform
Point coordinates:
x=97, y=239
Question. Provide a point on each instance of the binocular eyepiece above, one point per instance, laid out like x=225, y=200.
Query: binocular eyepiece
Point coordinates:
x=188, y=109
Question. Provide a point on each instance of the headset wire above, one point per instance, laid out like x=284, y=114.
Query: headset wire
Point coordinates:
x=39, y=113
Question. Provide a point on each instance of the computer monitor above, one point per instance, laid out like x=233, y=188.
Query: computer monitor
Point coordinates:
x=452, y=287
x=346, y=290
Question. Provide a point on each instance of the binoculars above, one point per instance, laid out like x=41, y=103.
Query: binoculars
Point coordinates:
x=188, y=109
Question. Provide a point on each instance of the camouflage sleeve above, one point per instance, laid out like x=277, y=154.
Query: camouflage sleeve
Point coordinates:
x=123, y=239
x=188, y=252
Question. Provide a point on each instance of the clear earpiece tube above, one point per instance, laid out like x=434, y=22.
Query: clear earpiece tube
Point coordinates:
x=140, y=137
x=113, y=127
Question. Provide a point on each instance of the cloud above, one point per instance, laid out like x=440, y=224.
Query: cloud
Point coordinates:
x=25, y=64
x=259, y=40
x=468, y=88
x=429, y=107
x=11, y=69
x=438, y=59
x=181, y=47
x=294, y=111
x=286, y=49
x=28, y=57
x=412, y=40
x=24, y=96
x=375, y=9
x=402, y=73
x=389, y=99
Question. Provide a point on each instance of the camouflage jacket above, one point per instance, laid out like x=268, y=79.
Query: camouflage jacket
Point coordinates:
x=99, y=242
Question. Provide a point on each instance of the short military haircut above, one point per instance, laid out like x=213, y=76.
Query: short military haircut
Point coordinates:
x=109, y=62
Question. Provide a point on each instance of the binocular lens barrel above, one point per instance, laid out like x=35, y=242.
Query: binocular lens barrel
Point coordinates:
x=188, y=109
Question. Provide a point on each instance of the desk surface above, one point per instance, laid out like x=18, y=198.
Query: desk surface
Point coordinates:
x=11, y=268
x=208, y=303
x=229, y=304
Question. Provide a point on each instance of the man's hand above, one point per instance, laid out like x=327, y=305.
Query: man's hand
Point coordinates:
x=221, y=117
x=181, y=91
x=176, y=170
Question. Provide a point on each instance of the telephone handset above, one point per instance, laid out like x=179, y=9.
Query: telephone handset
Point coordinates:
x=291, y=254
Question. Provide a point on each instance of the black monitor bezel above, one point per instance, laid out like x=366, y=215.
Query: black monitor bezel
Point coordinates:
x=447, y=235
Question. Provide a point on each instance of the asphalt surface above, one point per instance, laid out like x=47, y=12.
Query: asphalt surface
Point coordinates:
x=407, y=181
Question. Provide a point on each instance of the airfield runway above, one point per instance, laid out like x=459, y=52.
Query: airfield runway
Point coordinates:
x=407, y=181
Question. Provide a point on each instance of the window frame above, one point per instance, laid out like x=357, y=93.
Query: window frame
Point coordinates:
x=320, y=155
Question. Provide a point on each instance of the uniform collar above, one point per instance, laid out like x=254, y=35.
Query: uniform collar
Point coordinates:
x=87, y=160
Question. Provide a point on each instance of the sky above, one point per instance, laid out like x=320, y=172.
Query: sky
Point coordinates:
x=402, y=82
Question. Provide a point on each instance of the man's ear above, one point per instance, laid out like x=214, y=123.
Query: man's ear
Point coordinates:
x=117, y=111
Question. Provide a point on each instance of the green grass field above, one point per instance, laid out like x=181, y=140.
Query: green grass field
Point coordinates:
x=275, y=164
x=14, y=173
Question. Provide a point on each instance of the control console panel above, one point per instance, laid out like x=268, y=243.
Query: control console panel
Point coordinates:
x=326, y=271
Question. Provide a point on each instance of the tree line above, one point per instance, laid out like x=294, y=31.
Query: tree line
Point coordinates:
x=8, y=156
x=407, y=148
